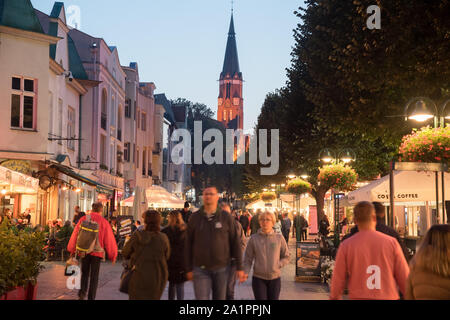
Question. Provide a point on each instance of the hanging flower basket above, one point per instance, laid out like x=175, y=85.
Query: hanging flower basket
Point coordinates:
x=298, y=186
x=426, y=145
x=338, y=176
x=268, y=196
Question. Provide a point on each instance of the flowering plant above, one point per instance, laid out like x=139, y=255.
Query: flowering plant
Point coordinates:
x=298, y=186
x=426, y=145
x=268, y=196
x=327, y=267
x=338, y=176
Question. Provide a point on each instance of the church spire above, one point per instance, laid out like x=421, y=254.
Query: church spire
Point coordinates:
x=231, y=61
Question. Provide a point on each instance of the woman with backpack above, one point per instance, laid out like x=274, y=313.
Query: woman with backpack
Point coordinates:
x=148, y=251
x=176, y=232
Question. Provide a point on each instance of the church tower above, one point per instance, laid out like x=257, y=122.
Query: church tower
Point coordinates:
x=230, y=109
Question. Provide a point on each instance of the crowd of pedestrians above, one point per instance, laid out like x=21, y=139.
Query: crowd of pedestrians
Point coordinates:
x=217, y=247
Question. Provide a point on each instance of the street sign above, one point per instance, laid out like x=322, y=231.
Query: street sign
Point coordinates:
x=420, y=166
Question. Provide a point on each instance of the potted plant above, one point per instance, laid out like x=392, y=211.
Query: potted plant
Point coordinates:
x=21, y=253
x=426, y=145
x=326, y=271
x=298, y=186
x=103, y=167
x=268, y=196
x=338, y=176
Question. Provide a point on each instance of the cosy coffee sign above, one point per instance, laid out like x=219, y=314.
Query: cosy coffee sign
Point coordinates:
x=400, y=196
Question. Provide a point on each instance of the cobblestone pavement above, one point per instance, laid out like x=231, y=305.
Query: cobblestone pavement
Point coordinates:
x=52, y=284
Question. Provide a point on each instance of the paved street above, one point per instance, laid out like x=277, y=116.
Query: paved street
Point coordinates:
x=52, y=284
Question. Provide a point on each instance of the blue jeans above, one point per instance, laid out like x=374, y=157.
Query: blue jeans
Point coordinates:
x=231, y=282
x=179, y=288
x=206, y=281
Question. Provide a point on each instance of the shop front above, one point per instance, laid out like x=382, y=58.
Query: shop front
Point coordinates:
x=20, y=194
x=415, y=201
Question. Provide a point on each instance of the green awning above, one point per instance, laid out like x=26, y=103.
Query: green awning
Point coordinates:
x=69, y=172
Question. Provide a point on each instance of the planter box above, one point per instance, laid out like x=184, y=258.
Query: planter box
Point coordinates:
x=18, y=293
x=31, y=292
x=21, y=293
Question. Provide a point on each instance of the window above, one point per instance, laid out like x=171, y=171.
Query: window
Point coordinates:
x=128, y=108
x=126, y=152
x=175, y=176
x=228, y=90
x=60, y=120
x=71, y=128
x=231, y=114
x=138, y=119
x=102, y=150
x=23, y=103
x=104, y=109
x=137, y=158
x=134, y=152
x=144, y=121
x=113, y=111
x=144, y=154
x=224, y=115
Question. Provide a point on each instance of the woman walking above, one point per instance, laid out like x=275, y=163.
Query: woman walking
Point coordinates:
x=176, y=232
x=270, y=252
x=148, y=251
x=429, y=276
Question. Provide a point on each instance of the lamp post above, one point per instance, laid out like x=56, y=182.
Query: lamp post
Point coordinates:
x=328, y=156
x=422, y=113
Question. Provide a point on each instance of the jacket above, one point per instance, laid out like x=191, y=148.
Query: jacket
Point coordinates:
x=254, y=224
x=245, y=222
x=177, y=261
x=212, y=242
x=424, y=285
x=269, y=252
x=372, y=265
x=148, y=252
x=105, y=237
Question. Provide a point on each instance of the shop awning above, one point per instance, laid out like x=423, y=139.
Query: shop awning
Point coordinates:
x=15, y=182
x=409, y=186
x=158, y=197
x=69, y=172
x=259, y=204
x=127, y=202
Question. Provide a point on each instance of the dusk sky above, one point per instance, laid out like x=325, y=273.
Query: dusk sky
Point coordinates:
x=180, y=45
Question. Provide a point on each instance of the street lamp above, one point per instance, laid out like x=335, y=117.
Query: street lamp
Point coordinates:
x=422, y=113
x=425, y=109
x=346, y=156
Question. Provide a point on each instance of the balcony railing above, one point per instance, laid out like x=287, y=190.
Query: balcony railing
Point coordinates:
x=103, y=121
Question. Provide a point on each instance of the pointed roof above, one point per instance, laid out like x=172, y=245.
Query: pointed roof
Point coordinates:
x=19, y=14
x=231, y=61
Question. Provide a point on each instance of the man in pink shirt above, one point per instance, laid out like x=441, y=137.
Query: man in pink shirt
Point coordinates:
x=370, y=263
x=90, y=264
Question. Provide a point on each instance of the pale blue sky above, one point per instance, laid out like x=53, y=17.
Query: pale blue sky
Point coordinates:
x=180, y=44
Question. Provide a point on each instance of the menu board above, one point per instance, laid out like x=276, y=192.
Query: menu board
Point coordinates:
x=307, y=260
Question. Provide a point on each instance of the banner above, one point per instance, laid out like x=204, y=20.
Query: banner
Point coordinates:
x=312, y=220
x=307, y=260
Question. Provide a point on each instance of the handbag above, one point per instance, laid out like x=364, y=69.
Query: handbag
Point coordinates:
x=126, y=275
x=71, y=262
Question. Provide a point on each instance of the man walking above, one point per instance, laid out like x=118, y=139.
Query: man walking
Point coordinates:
x=90, y=263
x=286, y=227
x=186, y=213
x=254, y=223
x=211, y=242
x=245, y=222
x=370, y=263
x=299, y=224
x=77, y=215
